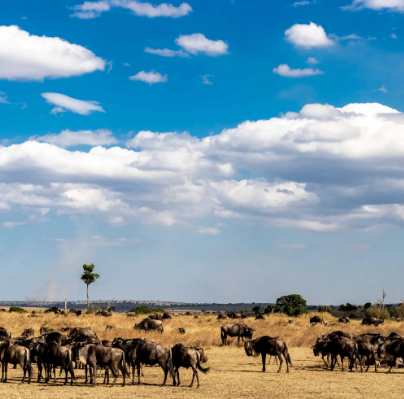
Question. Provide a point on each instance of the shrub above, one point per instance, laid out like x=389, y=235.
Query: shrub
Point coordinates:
x=90, y=310
x=376, y=311
x=256, y=309
x=144, y=309
x=367, y=305
x=268, y=309
x=72, y=311
x=348, y=308
x=53, y=309
x=2, y=310
x=292, y=305
x=16, y=309
x=324, y=309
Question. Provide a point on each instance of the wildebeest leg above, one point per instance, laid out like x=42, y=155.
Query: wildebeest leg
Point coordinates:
x=24, y=367
x=280, y=362
x=178, y=377
x=138, y=374
x=39, y=364
x=193, y=376
x=393, y=363
x=85, y=382
x=342, y=363
x=120, y=367
x=93, y=369
x=66, y=377
x=115, y=373
x=133, y=373
x=326, y=365
x=5, y=367
x=263, y=355
x=333, y=361
x=165, y=375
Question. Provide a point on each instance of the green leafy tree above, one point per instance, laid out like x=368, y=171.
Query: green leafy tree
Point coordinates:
x=348, y=308
x=367, y=305
x=256, y=309
x=89, y=277
x=268, y=309
x=292, y=305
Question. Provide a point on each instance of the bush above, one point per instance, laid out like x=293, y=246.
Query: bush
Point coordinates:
x=144, y=309
x=323, y=309
x=268, y=309
x=292, y=305
x=256, y=309
x=53, y=309
x=348, y=308
x=90, y=310
x=72, y=311
x=16, y=309
x=367, y=305
x=376, y=311
x=2, y=310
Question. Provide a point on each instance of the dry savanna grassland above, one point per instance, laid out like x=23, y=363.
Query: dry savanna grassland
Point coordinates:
x=232, y=374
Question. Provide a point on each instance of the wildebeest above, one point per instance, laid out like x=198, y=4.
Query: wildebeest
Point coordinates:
x=271, y=346
x=167, y=315
x=15, y=354
x=368, y=321
x=155, y=316
x=107, y=328
x=259, y=316
x=142, y=351
x=29, y=332
x=181, y=330
x=77, y=331
x=104, y=313
x=238, y=330
x=131, y=314
x=391, y=350
x=5, y=333
x=55, y=337
x=221, y=316
x=338, y=346
x=110, y=358
x=65, y=329
x=148, y=324
x=55, y=356
x=316, y=319
x=344, y=319
x=188, y=357
x=367, y=350
x=79, y=312
x=45, y=330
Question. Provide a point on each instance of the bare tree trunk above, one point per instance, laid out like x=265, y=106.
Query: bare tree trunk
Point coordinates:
x=88, y=300
x=65, y=307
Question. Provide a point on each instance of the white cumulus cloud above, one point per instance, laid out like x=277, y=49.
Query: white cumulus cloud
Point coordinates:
x=167, y=52
x=287, y=72
x=308, y=36
x=64, y=103
x=198, y=43
x=93, y=9
x=29, y=57
x=149, y=77
x=67, y=138
x=377, y=5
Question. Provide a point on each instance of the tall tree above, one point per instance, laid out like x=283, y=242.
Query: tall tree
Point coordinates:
x=89, y=277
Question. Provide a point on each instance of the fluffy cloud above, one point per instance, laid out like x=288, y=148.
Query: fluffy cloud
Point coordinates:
x=3, y=98
x=312, y=61
x=149, y=77
x=308, y=36
x=324, y=169
x=300, y=3
x=28, y=57
x=286, y=71
x=64, y=103
x=378, y=5
x=166, y=52
x=93, y=9
x=198, y=43
x=67, y=138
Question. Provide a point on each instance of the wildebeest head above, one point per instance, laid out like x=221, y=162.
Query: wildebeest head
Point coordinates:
x=248, y=332
x=318, y=346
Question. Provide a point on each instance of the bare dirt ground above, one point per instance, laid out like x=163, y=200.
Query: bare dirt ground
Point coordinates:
x=232, y=375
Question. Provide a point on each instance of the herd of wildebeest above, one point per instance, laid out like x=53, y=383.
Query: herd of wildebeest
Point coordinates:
x=75, y=347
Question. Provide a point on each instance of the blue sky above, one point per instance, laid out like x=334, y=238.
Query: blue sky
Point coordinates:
x=215, y=151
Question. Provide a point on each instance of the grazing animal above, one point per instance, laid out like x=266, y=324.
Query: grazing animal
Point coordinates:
x=78, y=331
x=15, y=354
x=110, y=358
x=390, y=351
x=45, y=330
x=271, y=346
x=188, y=357
x=181, y=330
x=155, y=316
x=369, y=321
x=148, y=324
x=65, y=329
x=55, y=356
x=316, y=320
x=79, y=312
x=344, y=319
x=238, y=330
x=29, y=332
x=259, y=316
x=131, y=314
x=338, y=346
x=5, y=333
x=167, y=315
x=367, y=350
x=107, y=328
x=221, y=316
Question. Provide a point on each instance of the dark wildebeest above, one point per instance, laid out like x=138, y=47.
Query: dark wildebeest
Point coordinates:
x=55, y=356
x=231, y=315
x=110, y=358
x=131, y=314
x=344, y=319
x=65, y=329
x=77, y=331
x=221, y=316
x=45, y=330
x=155, y=316
x=390, y=351
x=316, y=319
x=367, y=350
x=238, y=330
x=181, y=330
x=259, y=316
x=374, y=339
x=271, y=346
x=79, y=312
x=106, y=343
x=5, y=333
x=369, y=321
x=148, y=324
x=166, y=316
x=55, y=337
x=107, y=328
x=15, y=354
x=335, y=346
x=79, y=356
x=29, y=332
x=188, y=357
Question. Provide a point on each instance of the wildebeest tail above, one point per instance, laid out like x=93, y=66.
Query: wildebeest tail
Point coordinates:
x=200, y=368
x=287, y=356
x=222, y=335
x=124, y=368
x=28, y=363
x=170, y=364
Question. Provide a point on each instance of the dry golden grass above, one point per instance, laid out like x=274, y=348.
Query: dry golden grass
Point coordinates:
x=233, y=374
